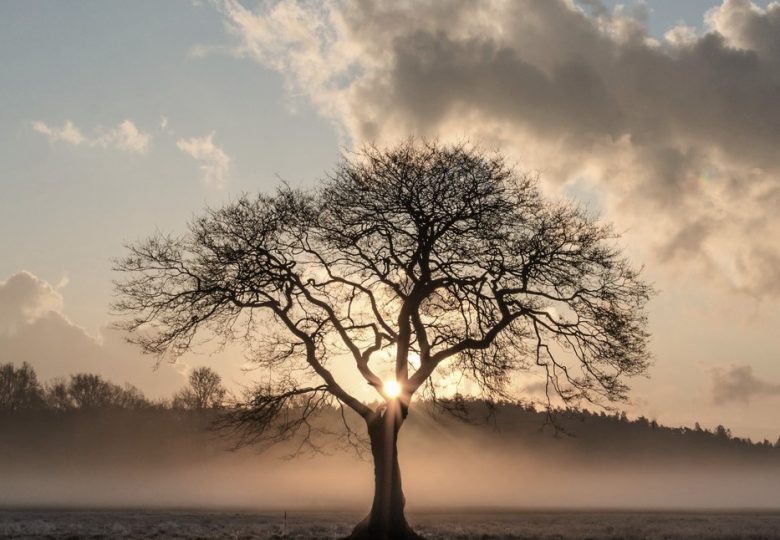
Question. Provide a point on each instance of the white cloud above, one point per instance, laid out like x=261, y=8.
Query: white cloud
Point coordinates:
x=681, y=35
x=35, y=329
x=67, y=133
x=62, y=283
x=125, y=136
x=25, y=298
x=214, y=162
x=301, y=40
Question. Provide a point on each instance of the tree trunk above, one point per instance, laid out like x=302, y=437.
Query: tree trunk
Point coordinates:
x=386, y=521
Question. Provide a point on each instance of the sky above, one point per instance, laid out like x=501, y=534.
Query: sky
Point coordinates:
x=118, y=119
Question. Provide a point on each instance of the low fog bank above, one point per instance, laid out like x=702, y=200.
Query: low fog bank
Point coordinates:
x=168, y=458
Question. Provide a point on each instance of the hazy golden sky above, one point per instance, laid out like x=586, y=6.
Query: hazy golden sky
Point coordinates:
x=117, y=119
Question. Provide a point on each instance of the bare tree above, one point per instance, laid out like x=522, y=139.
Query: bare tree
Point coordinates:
x=205, y=391
x=439, y=257
x=56, y=394
x=19, y=388
x=91, y=391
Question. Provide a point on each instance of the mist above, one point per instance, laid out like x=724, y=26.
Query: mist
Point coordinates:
x=175, y=459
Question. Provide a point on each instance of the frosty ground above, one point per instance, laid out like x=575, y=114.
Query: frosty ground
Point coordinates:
x=61, y=524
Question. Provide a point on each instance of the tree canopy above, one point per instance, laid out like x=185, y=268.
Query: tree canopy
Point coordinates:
x=203, y=391
x=444, y=252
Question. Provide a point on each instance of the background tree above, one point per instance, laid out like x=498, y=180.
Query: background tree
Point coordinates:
x=19, y=388
x=722, y=432
x=205, y=391
x=91, y=391
x=440, y=258
x=56, y=394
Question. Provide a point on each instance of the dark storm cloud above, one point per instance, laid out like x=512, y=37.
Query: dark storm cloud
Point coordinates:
x=680, y=134
x=739, y=384
x=550, y=69
x=434, y=75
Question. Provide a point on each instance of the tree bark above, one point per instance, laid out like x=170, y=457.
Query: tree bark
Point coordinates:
x=386, y=521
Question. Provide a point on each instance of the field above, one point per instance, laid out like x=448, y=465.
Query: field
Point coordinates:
x=132, y=524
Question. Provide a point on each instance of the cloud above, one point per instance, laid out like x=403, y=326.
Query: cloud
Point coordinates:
x=125, y=136
x=681, y=35
x=35, y=329
x=67, y=133
x=748, y=27
x=679, y=137
x=25, y=298
x=214, y=162
x=62, y=283
x=739, y=384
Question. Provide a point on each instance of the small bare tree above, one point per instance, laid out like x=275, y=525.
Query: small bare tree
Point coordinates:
x=91, y=391
x=436, y=256
x=204, y=391
x=19, y=388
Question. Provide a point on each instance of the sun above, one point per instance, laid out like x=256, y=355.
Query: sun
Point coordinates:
x=392, y=388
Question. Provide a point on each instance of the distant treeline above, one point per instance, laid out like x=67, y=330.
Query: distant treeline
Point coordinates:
x=601, y=428
x=20, y=390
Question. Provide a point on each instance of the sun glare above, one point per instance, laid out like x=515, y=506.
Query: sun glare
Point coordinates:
x=392, y=388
